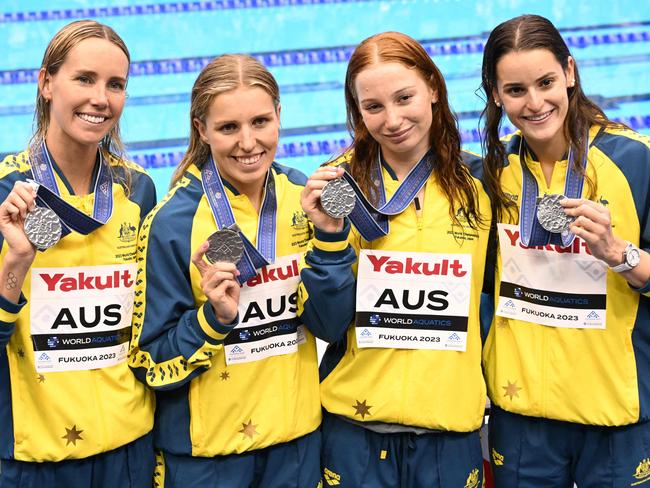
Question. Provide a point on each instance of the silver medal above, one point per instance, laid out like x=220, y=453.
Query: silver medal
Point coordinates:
x=225, y=245
x=43, y=228
x=550, y=214
x=338, y=198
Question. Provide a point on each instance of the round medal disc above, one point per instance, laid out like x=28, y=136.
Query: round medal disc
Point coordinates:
x=338, y=198
x=226, y=246
x=550, y=214
x=43, y=228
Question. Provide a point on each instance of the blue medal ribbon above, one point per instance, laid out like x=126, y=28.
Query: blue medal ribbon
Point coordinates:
x=253, y=258
x=372, y=222
x=531, y=231
x=48, y=195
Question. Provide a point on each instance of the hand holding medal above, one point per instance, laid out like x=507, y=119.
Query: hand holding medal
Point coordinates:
x=327, y=207
x=592, y=222
x=13, y=215
x=222, y=250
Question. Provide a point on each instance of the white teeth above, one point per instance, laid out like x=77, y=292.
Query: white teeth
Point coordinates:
x=249, y=159
x=93, y=119
x=538, y=117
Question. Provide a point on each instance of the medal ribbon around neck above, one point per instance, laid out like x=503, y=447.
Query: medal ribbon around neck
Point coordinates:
x=48, y=195
x=372, y=222
x=253, y=258
x=531, y=231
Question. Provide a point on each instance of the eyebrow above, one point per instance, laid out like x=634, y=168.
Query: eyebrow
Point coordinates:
x=227, y=121
x=88, y=72
x=396, y=92
x=544, y=76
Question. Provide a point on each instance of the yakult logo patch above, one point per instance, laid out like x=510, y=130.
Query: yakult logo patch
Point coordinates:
x=413, y=266
x=66, y=282
x=81, y=316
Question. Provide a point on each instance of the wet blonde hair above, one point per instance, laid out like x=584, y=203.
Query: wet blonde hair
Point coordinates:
x=55, y=55
x=223, y=74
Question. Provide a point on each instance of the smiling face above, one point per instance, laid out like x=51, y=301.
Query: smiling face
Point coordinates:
x=242, y=128
x=86, y=95
x=532, y=88
x=395, y=104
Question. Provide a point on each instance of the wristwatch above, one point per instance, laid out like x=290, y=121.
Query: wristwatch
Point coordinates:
x=631, y=258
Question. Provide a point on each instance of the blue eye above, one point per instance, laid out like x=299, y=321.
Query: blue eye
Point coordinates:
x=116, y=86
x=227, y=128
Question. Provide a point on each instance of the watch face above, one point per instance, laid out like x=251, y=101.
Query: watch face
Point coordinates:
x=633, y=257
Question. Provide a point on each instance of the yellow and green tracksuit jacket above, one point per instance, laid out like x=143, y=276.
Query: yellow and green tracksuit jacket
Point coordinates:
x=71, y=414
x=204, y=406
x=432, y=389
x=587, y=376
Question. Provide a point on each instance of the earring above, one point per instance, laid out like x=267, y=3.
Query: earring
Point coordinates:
x=497, y=103
x=572, y=84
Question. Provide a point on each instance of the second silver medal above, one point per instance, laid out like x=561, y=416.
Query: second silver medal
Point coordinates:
x=338, y=198
x=225, y=245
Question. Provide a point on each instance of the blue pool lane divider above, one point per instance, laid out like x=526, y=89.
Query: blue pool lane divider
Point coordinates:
x=157, y=8
x=327, y=55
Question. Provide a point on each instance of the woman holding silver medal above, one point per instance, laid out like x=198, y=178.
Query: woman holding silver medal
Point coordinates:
x=216, y=333
x=71, y=411
x=568, y=353
x=396, y=293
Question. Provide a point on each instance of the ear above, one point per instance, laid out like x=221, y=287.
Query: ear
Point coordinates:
x=44, y=84
x=570, y=71
x=433, y=92
x=200, y=126
x=495, y=96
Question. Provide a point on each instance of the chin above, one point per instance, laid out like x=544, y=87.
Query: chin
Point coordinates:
x=89, y=138
x=544, y=136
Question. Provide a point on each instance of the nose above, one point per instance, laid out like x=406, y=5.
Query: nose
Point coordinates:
x=393, y=119
x=247, y=139
x=535, y=100
x=99, y=97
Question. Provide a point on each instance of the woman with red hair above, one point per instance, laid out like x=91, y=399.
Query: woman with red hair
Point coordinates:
x=394, y=288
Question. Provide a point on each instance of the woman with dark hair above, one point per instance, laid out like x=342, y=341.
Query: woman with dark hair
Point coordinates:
x=71, y=411
x=568, y=353
x=396, y=294
x=216, y=333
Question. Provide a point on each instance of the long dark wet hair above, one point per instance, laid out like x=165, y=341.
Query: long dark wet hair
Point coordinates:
x=525, y=33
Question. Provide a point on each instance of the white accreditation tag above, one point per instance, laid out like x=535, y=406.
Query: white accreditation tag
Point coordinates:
x=410, y=300
x=80, y=317
x=551, y=285
x=268, y=325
